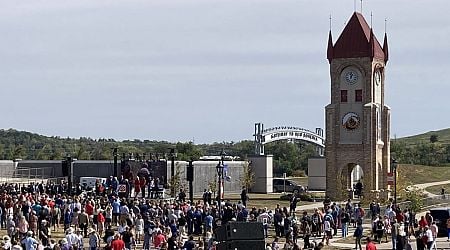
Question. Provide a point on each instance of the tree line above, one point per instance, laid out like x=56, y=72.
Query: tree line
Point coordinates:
x=431, y=153
x=289, y=157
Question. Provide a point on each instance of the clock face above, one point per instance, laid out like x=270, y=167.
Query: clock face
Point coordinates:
x=351, y=77
x=377, y=77
x=350, y=121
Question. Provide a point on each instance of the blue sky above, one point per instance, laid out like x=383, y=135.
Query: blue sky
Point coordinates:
x=206, y=70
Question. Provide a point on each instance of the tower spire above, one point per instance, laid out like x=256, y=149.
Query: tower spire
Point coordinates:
x=330, y=44
x=372, y=43
x=385, y=48
x=330, y=47
x=357, y=40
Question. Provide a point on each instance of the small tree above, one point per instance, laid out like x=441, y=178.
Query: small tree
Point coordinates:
x=175, y=182
x=415, y=196
x=248, y=176
x=434, y=138
x=212, y=185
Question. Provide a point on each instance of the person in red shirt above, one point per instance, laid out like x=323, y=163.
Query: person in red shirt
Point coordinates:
x=117, y=243
x=51, y=204
x=89, y=208
x=142, y=184
x=423, y=222
x=399, y=216
x=159, y=239
x=137, y=186
x=100, y=222
x=370, y=245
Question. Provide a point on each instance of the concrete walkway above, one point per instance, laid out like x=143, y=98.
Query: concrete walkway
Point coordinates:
x=423, y=186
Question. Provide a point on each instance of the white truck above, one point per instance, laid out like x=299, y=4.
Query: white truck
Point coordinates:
x=89, y=182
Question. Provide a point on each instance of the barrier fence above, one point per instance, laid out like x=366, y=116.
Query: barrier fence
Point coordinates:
x=28, y=175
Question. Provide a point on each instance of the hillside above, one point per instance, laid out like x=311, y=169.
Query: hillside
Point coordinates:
x=30, y=146
x=288, y=157
x=443, y=137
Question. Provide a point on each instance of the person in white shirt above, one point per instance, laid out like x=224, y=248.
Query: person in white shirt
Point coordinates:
x=6, y=242
x=430, y=238
x=434, y=230
x=327, y=229
x=122, y=228
x=264, y=217
x=71, y=237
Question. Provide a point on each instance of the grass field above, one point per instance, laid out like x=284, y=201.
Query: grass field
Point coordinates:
x=437, y=189
x=417, y=174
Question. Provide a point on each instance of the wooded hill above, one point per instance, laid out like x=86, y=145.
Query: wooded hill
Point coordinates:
x=288, y=157
x=431, y=148
x=441, y=136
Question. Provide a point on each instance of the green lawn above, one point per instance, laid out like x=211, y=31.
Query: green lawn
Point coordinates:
x=437, y=189
x=417, y=174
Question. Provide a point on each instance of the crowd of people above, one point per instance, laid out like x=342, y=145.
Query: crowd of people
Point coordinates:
x=52, y=216
x=35, y=216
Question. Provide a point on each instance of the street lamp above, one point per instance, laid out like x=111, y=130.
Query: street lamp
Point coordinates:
x=219, y=169
x=394, y=168
x=172, y=170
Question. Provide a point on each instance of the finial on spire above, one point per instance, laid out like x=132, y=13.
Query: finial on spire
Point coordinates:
x=330, y=22
x=371, y=17
x=361, y=6
x=385, y=25
x=354, y=5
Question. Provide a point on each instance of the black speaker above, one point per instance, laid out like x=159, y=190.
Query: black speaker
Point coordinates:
x=65, y=168
x=240, y=231
x=242, y=244
x=190, y=172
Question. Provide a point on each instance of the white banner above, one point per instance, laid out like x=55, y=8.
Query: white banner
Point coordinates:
x=283, y=134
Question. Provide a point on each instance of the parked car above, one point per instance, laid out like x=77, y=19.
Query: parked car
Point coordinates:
x=291, y=186
x=440, y=216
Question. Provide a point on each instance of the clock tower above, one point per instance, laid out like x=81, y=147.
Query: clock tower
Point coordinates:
x=357, y=119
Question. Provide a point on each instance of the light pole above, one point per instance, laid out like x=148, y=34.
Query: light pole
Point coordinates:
x=394, y=168
x=172, y=170
x=219, y=169
x=115, y=155
x=222, y=177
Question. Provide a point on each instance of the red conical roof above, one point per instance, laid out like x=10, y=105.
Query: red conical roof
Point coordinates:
x=357, y=40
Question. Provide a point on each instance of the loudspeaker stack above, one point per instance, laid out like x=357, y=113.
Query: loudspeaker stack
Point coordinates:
x=240, y=235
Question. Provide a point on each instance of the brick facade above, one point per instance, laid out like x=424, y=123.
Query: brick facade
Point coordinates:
x=368, y=150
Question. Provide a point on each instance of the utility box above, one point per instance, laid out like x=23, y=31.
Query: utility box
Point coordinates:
x=317, y=173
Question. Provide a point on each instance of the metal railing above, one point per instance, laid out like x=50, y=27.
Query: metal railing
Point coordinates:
x=28, y=175
x=429, y=202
